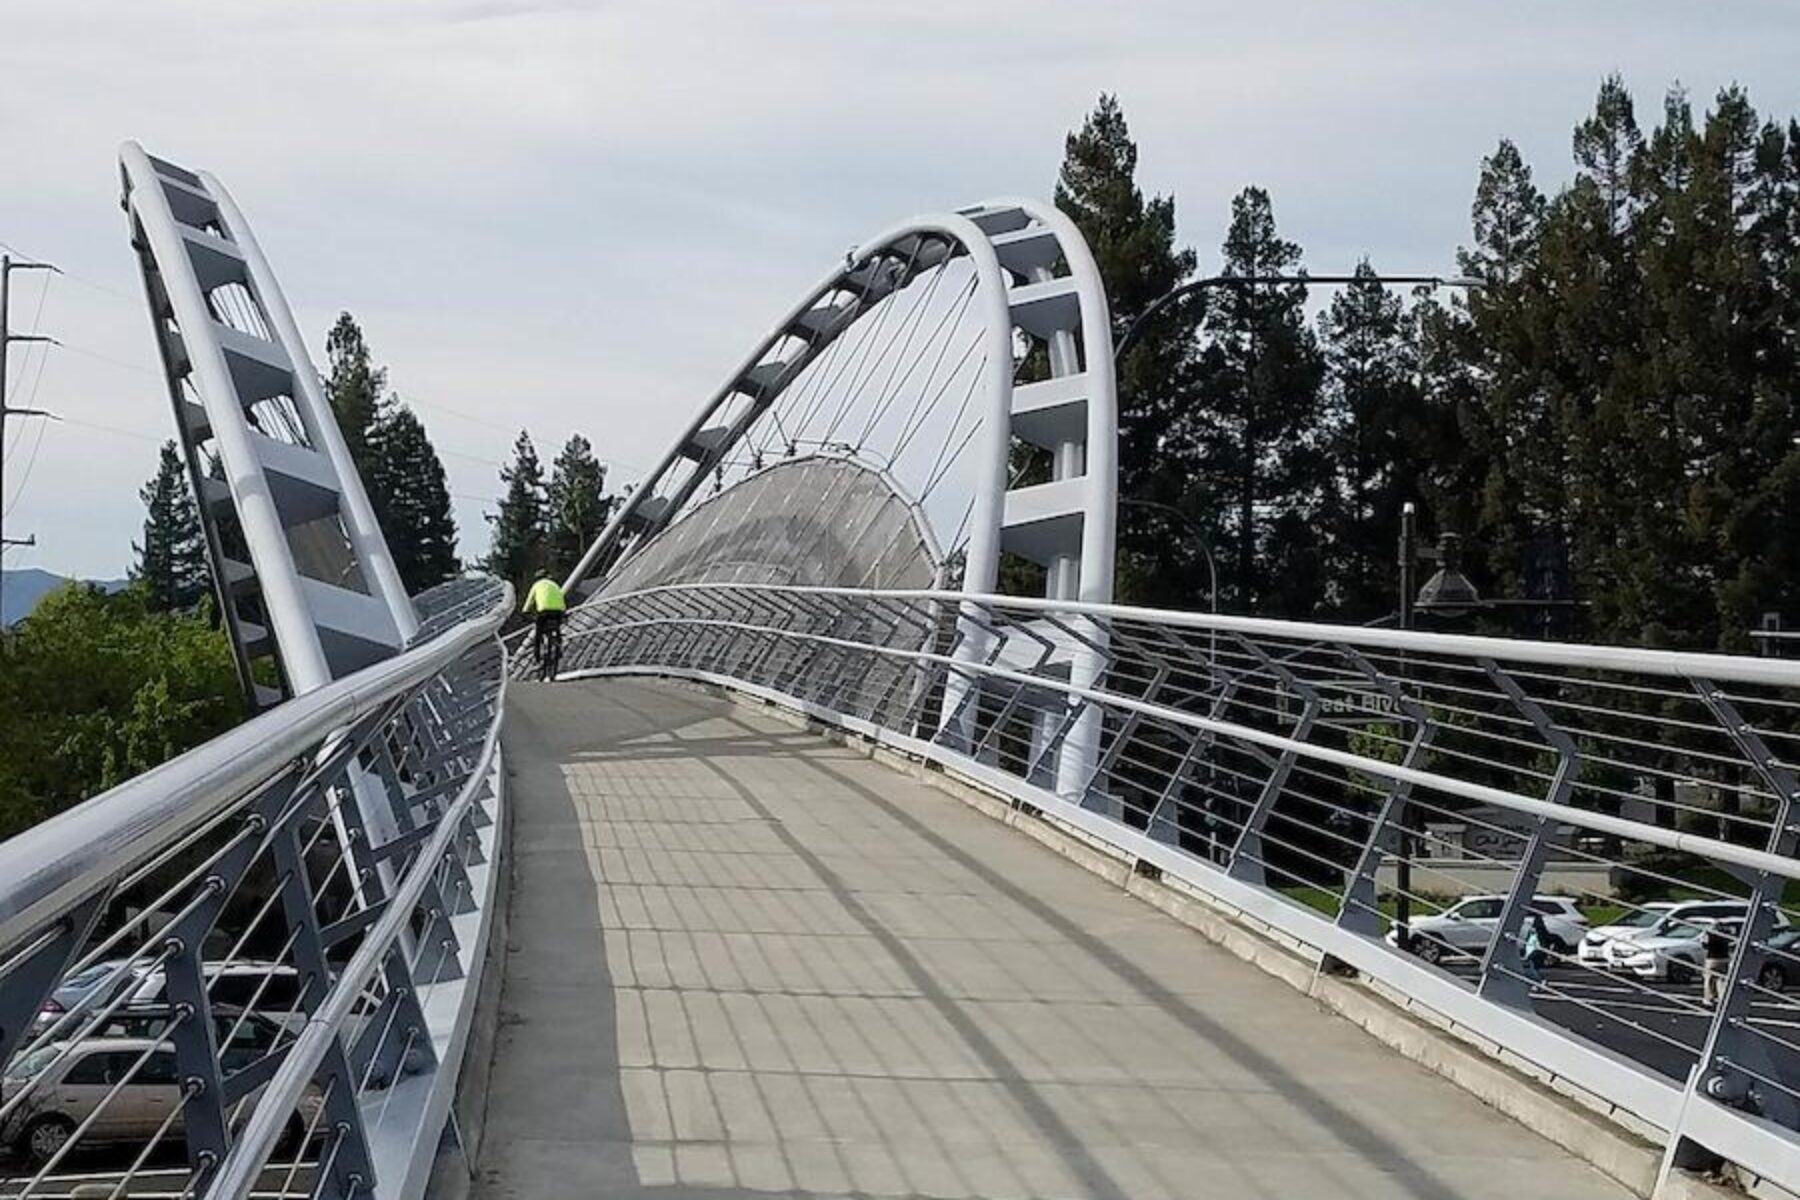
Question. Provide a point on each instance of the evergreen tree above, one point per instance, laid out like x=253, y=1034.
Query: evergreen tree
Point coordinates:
x=578, y=506
x=405, y=471
x=1377, y=437
x=1607, y=146
x=1739, y=366
x=395, y=459
x=356, y=387
x=520, y=526
x=1511, y=421
x=1133, y=240
x=1258, y=421
x=171, y=561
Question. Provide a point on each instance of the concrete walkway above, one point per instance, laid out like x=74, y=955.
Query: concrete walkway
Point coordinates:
x=745, y=962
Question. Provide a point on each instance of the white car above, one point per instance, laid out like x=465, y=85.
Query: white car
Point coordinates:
x=1467, y=927
x=1672, y=950
x=270, y=988
x=1593, y=947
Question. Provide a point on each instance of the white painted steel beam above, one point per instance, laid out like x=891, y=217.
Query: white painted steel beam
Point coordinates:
x=195, y=247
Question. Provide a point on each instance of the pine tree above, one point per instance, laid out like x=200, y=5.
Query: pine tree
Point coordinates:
x=356, y=387
x=1511, y=420
x=578, y=506
x=1377, y=437
x=520, y=526
x=1607, y=146
x=171, y=561
x=1584, y=481
x=1258, y=420
x=416, y=517
x=1133, y=240
x=1740, y=366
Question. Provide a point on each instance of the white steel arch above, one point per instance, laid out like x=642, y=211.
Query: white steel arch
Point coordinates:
x=304, y=577
x=1034, y=284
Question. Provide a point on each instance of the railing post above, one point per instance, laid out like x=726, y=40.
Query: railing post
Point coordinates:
x=1247, y=861
x=1503, y=977
x=187, y=989
x=36, y=971
x=1736, y=1066
x=1360, y=909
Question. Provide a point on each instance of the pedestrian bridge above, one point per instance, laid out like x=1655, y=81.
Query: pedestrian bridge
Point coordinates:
x=825, y=868
x=745, y=960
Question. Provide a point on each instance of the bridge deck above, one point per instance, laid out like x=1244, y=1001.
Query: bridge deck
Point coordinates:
x=745, y=961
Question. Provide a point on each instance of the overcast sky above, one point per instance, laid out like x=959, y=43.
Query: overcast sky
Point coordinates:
x=578, y=216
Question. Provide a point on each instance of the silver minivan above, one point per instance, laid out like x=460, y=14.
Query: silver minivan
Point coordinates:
x=65, y=1090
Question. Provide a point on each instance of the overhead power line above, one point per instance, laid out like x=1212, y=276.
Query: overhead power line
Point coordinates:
x=7, y=338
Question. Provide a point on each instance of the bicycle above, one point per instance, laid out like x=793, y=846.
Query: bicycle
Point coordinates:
x=548, y=649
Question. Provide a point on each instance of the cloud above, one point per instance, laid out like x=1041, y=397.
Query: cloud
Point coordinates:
x=580, y=215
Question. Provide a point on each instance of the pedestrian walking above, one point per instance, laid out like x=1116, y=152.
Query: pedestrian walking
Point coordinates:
x=1718, y=962
x=1536, y=947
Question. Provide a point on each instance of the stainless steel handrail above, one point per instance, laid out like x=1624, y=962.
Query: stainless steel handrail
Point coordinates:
x=47, y=869
x=239, y=1173
x=1281, y=768
x=1713, y=848
x=1724, y=668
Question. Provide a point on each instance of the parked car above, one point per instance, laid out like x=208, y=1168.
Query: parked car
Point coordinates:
x=1467, y=927
x=1673, y=949
x=1592, y=950
x=269, y=988
x=1782, y=965
x=64, y=1090
x=1638, y=923
x=238, y=984
x=243, y=1037
x=74, y=991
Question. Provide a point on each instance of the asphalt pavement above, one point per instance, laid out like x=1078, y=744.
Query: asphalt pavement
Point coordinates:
x=1662, y=1025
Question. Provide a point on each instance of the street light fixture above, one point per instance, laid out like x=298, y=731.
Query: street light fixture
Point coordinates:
x=1448, y=592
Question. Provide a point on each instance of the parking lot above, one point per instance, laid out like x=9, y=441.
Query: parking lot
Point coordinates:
x=1659, y=1024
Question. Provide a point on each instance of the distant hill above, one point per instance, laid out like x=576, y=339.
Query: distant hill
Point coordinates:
x=26, y=587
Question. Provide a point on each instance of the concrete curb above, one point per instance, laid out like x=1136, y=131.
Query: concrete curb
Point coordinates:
x=1577, y=1124
x=453, y=1172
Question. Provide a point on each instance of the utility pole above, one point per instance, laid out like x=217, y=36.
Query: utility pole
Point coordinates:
x=7, y=338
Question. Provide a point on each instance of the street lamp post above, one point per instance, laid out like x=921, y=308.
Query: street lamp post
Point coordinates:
x=1156, y=307
x=1450, y=593
x=1194, y=287
x=1403, y=868
x=1200, y=539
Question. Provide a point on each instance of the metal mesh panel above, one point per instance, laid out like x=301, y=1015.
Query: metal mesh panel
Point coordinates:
x=817, y=521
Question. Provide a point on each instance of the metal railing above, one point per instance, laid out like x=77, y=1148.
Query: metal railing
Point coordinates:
x=252, y=969
x=1584, y=855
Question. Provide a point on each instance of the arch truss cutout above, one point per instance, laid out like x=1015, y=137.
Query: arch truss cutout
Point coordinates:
x=304, y=579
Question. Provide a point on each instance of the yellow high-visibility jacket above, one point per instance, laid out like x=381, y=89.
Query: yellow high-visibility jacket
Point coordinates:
x=544, y=596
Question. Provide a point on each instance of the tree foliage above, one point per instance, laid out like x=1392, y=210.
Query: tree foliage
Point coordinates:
x=171, y=560
x=521, y=526
x=356, y=387
x=400, y=468
x=1258, y=421
x=1133, y=240
x=1610, y=417
x=415, y=504
x=576, y=503
x=98, y=688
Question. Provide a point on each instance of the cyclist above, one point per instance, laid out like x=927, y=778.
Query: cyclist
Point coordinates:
x=546, y=600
